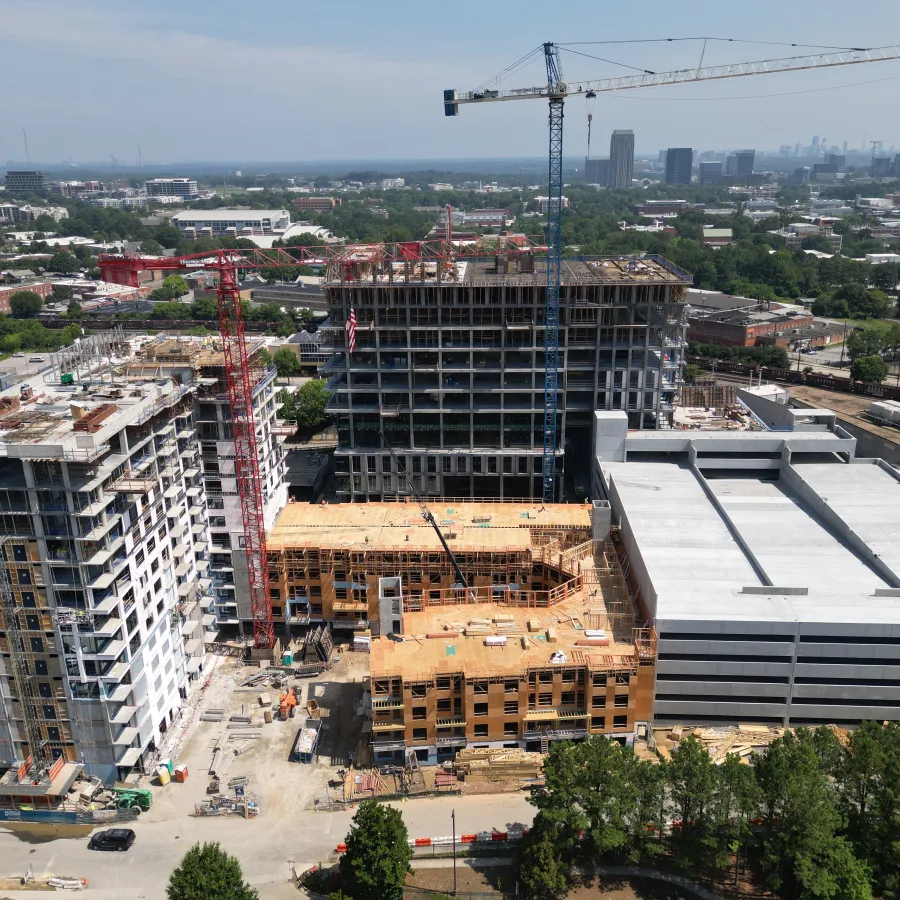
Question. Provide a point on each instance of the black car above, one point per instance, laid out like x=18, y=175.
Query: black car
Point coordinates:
x=115, y=839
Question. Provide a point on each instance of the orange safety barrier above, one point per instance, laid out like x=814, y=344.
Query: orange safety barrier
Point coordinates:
x=423, y=842
x=468, y=838
x=341, y=848
x=498, y=836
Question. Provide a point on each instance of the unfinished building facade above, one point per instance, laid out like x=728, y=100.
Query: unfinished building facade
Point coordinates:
x=101, y=565
x=201, y=363
x=543, y=645
x=449, y=364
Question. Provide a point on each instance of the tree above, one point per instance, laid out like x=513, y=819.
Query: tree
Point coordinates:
x=24, y=304
x=872, y=369
x=205, y=308
x=692, y=786
x=286, y=361
x=63, y=262
x=540, y=869
x=62, y=292
x=73, y=310
x=377, y=857
x=209, y=873
x=307, y=406
x=865, y=342
x=175, y=286
x=886, y=276
x=286, y=327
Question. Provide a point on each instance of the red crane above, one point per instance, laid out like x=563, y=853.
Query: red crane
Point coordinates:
x=345, y=263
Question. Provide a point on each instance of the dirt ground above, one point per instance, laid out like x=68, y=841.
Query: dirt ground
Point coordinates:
x=277, y=784
x=501, y=880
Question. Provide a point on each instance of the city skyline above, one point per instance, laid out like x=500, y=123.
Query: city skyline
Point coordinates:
x=186, y=61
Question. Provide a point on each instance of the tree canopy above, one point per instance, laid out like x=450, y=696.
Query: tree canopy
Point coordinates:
x=377, y=857
x=209, y=873
x=869, y=368
x=25, y=304
x=306, y=406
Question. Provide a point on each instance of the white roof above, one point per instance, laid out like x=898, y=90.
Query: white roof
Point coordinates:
x=228, y=215
x=753, y=549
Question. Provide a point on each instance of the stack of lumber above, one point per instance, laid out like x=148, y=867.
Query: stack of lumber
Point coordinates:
x=498, y=764
x=744, y=740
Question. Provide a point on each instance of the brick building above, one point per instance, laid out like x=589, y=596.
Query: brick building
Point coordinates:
x=541, y=647
x=739, y=328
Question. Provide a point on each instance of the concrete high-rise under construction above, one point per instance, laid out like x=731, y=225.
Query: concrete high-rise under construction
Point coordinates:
x=449, y=362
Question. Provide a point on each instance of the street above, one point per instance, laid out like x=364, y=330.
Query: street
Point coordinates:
x=263, y=845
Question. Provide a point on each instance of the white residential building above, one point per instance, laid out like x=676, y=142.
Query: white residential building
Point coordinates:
x=197, y=223
x=106, y=557
x=182, y=188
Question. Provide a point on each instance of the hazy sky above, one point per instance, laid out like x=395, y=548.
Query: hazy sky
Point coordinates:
x=359, y=79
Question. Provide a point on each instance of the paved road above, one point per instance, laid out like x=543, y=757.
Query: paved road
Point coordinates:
x=262, y=845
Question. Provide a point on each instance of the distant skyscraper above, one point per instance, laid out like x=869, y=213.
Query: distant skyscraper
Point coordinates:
x=835, y=159
x=710, y=173
x=844, y=150
x=801, y=175
x=596, y=171
x=621, y=159
x=679, y=162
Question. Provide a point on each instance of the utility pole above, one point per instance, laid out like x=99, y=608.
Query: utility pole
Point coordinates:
x=453, y=820
x=25, y=140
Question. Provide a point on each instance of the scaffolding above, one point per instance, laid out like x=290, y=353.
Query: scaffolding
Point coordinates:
x=23, y=676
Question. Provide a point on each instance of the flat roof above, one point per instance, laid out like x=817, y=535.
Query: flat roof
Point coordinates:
x=845, y=406
x=401, y=526
x=703, y=541
x=420, y=656
x=229, y=214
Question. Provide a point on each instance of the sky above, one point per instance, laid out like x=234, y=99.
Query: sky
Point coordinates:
x=360, y=80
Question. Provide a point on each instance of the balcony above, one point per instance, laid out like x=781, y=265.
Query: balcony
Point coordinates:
x=116, y=672
x=459, y=740
x=545, y=715
x=456, y=721
x=388, y=726
x=387, y=703
x=379, y=746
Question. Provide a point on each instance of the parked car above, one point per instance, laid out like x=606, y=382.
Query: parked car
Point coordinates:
x=36, y=359
x=119, y=839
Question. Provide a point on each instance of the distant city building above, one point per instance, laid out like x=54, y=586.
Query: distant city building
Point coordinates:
x=679, y=163
x=824, y=172
x=184, y=188
x=388, y=184
x=710, y=173
x=802, y=174
x=797, y=232
x=76, y=189
x=662, y=207
x=717, y=237
x=835, y=159
x=25, y=181
x=740, y=163
x=196, y=223
x=596, y=171
x=882, y=167
x=12, y=212
x=621, y=159
x=543, y=203
x=319, y=204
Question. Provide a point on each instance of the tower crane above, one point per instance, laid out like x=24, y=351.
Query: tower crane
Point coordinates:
x=555, y=92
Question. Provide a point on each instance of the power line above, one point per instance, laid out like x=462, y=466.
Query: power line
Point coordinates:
x=510, y=68
x=611, y=62
x=708, y=38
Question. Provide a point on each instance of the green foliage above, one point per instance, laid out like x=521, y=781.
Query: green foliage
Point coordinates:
x=73, y=310
x=25, y=304
x=691, y=373
x=306, y=406
x=773, y=357
x=169, y=310
x=63, y=262
x=286, y=361
x=540, y=867
x=869, y=368
x=286, y=327
x=62, y=292
x=377, y=857
x=205, y=308
x=209, y=873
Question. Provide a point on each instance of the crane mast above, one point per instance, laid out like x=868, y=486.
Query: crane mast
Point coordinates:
x=555, y=91
x=554, y=262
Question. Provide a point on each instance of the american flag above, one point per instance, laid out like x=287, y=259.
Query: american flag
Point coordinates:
x=351, y=330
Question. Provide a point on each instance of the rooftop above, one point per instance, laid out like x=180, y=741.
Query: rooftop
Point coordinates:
x=428, y=656
x=227, y=215
x=581, y=271
x=382, y=526
x=816, y=545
